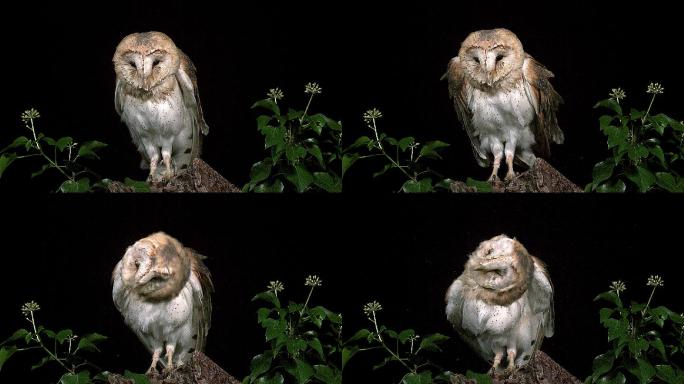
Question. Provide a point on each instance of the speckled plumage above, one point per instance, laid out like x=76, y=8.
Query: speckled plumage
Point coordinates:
x=504, y=100
x=502, y=304
x=157, y=98
x=163, y=289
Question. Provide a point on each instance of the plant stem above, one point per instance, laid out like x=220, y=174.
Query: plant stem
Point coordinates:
x=396, y=164
x=396, y=356
x=643, y=119
x=301, y=119
x=40, y=342
x=301, y=313
x=649, y=301
x=54, y=164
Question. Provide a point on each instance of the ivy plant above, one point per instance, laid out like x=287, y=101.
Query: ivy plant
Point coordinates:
x=646, y=150
x=304, y=148
x=647, y=342
x=304, y=342
x=405, y=155
x=405, y=348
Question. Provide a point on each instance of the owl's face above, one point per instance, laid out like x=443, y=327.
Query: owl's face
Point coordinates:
x=154, y=269
x=492, y=264
x=490, y=56
x=145, y=60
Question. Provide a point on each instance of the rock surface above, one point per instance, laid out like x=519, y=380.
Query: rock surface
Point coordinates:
x=542, y=370
x=541, y=178
x=200, y=370
x=200, y=177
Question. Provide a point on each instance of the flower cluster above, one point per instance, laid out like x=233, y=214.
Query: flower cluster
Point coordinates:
x=655, y=89
x=618, y=287
x=275, y=287
x=372, y=114
x=655, y=281
x=30, y=114
x=371, y=308
x=617, y=94
x=275, y=94
x=313, y=89
x=313, y=281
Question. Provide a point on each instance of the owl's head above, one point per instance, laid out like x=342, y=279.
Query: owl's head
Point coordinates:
x=499, y=263
x=491, y=55
x=145, y=60
x=156, y=267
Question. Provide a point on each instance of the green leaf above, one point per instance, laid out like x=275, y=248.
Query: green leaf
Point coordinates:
x=418, y=378
x=17, y=335
x=327, y=375
x=327, y=182
x=64, y=142
x=260, y=364
x=480, y=186
x=605, y=313
x=643, y=178
x=294, y=153
x=617, y=136
x=347, y=354
x=42, y=169
x=41, y=362
x=610, y=104
x=275, y=187
x=267, y=296
x=20, y=141
x=50, y=334
x=667, y=373
x=80, y=186
x=5, y=160
x=89, y=149
x=359, y=335
x=430, y=149
x=268, y=104
x=138, y=378
x=301, y=178
x=657, y=343
x=644, y=371
x=274, y=137
x=637, y=152
x=602, y=364
x=421, y=186
x=360, y=142
x=406, y=142
x=260, y=171
x=6, y=353
x=333, y=124
x=304, y=371
x=406, y=334
x=48, y=140
x=658, y=153
x=316, y=345
x=88, y=342
x=315, y=151
x=431, y=342
x=347, y=161
x=137, y=185
x=480, y=378
x=63, y=335
x=617, y=187
x=82, y=377
x=384, y=169
x=294, y=346
x=317, y=123
x=603, y=171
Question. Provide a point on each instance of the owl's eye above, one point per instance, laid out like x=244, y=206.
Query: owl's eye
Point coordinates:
x=155, y=62
x=477, y=59
x=137, y=263
x=132, y=63
x=499, y=57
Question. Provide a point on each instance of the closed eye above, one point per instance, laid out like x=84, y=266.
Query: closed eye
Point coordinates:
x=132, y=63
x=499, y=57
x=155, y=62
x=477, y=59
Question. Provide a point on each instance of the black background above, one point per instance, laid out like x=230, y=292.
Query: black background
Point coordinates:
x=402, y=251
x=364, y=55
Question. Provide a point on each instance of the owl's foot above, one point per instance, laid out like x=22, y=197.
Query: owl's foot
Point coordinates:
x=510, y=175
x=493, y=179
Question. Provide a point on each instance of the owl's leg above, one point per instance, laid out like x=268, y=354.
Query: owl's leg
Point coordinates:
x=497, y=151
x=155, y=360
x=510, y=155
x=154, y=160
x=170, y=349
x=511, y=361
x=166, y=157
x=497, y=361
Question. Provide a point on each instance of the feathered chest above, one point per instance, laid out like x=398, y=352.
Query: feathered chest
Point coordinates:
x=158, y=317
x=495, y=111
x=479, y=315
x=160, y=112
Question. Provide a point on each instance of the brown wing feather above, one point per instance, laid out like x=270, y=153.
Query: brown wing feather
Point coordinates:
x=546, y=101
x=203, y=307
x=188, y=85
x=458, y=93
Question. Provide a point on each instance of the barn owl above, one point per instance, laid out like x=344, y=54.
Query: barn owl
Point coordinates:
x=502, y=304
x=157, y=98
x=162, y=289
x=504, y=100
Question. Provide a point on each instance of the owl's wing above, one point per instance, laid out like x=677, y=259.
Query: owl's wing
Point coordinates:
x=541, y=296
x=119, y=294
x=455, y=299
x=187, y=79
x=545, y=100
x=118, y=96
x=458, y=91
x=202, y=288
